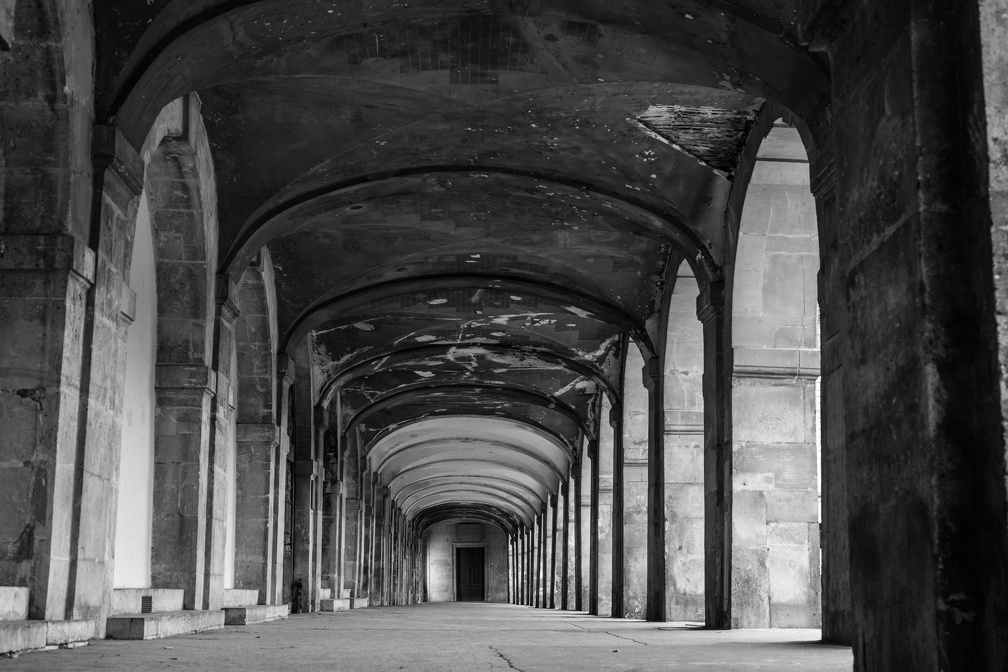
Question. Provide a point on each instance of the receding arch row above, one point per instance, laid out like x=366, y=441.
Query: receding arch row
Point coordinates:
x=392, y=359
x=498, y=392
x=453, y=460
x=441, y=434
x=667, y=226
x=435, y=514
x=560, y=439
x=575, y=302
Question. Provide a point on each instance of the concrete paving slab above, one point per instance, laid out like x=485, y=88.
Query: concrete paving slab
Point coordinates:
x=456, y=637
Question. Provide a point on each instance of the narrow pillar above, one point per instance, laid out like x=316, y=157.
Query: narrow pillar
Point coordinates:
x=579, y=545
x=554, y=515
x=118, y=174
x=618, y=580
x=655, y=607
x=181, y=449
x=540, y=592
x=596, y=559
x=566, y=541
x=256, y=445
x=717, y=455
x=41, y=367
x=222, y=411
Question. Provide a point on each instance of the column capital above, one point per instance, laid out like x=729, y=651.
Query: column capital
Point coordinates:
x=651, y=373
x=111, y=150
x=711, y=301
x=225, y=293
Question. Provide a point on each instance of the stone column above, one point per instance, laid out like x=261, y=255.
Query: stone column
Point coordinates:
x=924, y=446
x=366, y=518
x=222, y=409
x=285, y=381
x=634, y=481
x=655, y=605
x=118, y=174
x=717, y=455
x=552, y=586
x=181, y=457
x=377, y=515
x=565, y=572
x=44, y=284
x=603, y=530
x=541, y=559
x=257, y=445
x=530, y=564
x=580, y=548
x=835, y=549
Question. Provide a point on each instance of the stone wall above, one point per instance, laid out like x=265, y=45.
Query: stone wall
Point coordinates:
x=775, y=531
x=441, y=541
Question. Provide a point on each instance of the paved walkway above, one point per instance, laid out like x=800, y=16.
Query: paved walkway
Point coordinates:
x=454, y=636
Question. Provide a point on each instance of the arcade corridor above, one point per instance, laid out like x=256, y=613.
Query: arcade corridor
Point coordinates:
x=379, y=333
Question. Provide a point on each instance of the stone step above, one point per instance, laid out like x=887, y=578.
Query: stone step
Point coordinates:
x=259, y=613
x=239, y=597
x=359, y=603
x=345, y=593
x=164, y=624
x=335, y=605
x=18, y=636
x=130, y=600
x=325, y=593
x=13, y=603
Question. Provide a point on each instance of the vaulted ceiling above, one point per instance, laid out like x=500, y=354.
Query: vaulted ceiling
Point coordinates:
x=471, y=207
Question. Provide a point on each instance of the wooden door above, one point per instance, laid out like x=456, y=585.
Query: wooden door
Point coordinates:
x=469, y=575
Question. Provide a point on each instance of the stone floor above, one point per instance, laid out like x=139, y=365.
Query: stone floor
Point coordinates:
x=454, y=636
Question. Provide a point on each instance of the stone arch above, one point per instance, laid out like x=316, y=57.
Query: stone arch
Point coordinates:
x=684, y=452
x=179, y=193
x=774, y=408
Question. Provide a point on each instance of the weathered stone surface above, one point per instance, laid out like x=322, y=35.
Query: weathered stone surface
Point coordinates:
x=13, y=603
x=130, y=600
x=248, y=615
x=22, y=636
x=165, y=624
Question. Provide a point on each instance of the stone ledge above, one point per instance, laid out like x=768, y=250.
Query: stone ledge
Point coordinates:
x=130, y=600
x=342, y=604
x=166, y=624
x=239, y=597
x=20, y=636
x=62, y=633
x=260, y=613
x=359, y=603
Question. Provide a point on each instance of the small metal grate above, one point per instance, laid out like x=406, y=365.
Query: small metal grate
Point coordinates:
x=146, y=604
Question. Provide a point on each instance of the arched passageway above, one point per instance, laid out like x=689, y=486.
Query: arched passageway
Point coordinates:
x=552, y=305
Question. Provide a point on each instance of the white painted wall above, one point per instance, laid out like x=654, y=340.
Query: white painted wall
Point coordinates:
x=136, y=458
